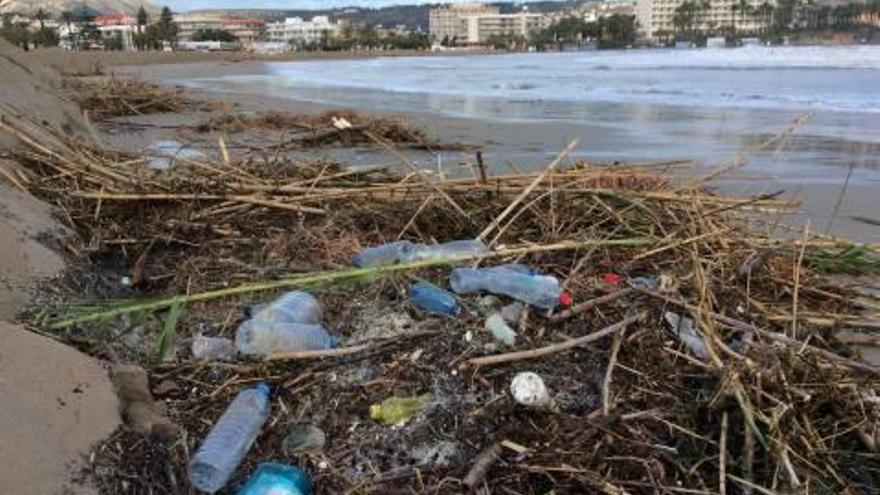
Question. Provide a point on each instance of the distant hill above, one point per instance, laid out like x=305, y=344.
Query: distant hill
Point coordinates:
x=412, y=16
x=55, y=7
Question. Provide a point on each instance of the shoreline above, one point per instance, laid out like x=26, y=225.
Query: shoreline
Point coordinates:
x=530, y=145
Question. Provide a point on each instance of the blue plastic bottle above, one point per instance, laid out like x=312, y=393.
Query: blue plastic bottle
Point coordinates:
x=433, y=299
x=273, y=478
x=232, y=436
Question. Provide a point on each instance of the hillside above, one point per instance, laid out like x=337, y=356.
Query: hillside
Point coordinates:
x=413, y=16
x=55, y=7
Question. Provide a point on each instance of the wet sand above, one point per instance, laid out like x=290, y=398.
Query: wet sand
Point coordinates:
x=529, y=145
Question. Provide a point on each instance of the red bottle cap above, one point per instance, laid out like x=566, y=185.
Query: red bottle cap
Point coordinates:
x=565, y=299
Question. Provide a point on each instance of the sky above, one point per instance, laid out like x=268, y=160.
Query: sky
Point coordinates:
x=184, y=5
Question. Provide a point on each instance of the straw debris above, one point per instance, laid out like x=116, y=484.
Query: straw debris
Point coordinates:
x=774, y=406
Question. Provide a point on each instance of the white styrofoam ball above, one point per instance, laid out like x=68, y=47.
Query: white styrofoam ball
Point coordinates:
x=528, y=389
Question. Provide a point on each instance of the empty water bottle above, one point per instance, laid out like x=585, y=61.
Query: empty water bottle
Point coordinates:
x=272, y=478
x=232, y=436
x=212, y=348
x=433, y=299
x=423, y=252
x=386, y=254
x=538, y=290
x=259, y=338
x=293, y=307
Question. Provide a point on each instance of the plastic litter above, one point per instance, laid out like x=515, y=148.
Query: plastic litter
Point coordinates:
x=212, y=348
x=529, y=390
x=167, y=152
x=292, y=307
x=386, y=254
x=428, y=297
x=513, y=313
x=304, y=438
x=273, y=478
x=424, y=252
x=685, y=330
x=260, y=338
x=232, y=436
x=501, y=330
x=538, y=290
x=398, y=410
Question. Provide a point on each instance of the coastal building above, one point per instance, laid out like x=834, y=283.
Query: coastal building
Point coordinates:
x=449, y=22
x=118, y=26
x=246, y=30
x=295, y=30
x=483, y=28
x=656, y=18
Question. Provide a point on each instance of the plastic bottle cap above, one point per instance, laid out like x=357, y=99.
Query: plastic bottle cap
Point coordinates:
x=565, y=299
x=264, y=388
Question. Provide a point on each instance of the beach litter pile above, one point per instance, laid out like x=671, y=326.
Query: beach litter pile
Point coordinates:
x=117, y=97
x=666, y=338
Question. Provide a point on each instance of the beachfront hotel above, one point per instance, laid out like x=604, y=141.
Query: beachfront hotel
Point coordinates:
x=656, y=17
x=297, y=30
x=449, y=22
x=477, y=24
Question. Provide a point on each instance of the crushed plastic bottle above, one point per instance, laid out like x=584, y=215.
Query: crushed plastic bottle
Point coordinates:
x=685, y=329
x=424, y=252
x=259, y=338
x=212, y=348
x=501, y=330
x=292, y=307
x=398, y=410
x=538, y=290
x=386, y=254
x=232, y=436
x=273, y=478
x=428, y=297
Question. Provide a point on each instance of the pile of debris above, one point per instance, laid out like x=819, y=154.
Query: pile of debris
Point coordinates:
x=117, y=97
x=696, y=355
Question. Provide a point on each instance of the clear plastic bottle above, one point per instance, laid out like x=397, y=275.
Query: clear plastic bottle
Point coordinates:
x=273, y=478
x=501, y=330
x=259, y=338
x=433, y=299
x=538, y=290
x=229, y=441
x=386, y=254
x=212, y=348
x=424, y=252
x=292, y=307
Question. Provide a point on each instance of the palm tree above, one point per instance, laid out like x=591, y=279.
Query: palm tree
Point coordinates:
x=41, y=16
x=142, y=19
x=765, y=10
x=744, y=7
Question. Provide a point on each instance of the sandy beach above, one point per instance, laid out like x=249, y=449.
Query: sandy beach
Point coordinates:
x=529, y=145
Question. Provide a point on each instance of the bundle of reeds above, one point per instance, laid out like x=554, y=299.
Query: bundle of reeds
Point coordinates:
x=774, y=400
x=117, y=97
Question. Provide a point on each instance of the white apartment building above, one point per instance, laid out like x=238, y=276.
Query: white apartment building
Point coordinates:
x=481, y=28
x=299, y=31
x=655, y=17
x=449, y=21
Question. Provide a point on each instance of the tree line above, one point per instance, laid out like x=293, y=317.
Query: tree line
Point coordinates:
x=84, y=34
x=691, y=19
x=613, y=31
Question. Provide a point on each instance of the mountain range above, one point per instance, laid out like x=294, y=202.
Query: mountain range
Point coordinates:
x=55, y=7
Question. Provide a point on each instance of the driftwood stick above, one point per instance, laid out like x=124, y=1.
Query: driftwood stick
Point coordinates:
x=555, y=348
x=481, y=466
x=592, y=303
x=552, y=166
x=300, y=355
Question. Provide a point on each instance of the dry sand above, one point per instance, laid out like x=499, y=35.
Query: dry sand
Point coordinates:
x=57, y=402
